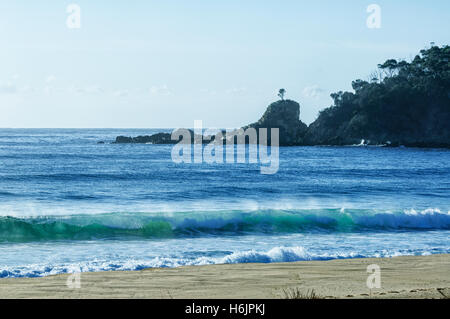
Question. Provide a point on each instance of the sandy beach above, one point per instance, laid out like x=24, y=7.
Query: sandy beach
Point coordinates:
x=401, y=277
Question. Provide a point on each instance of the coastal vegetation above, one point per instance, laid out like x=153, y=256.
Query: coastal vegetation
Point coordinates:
x=404, y=103
x=401, y=104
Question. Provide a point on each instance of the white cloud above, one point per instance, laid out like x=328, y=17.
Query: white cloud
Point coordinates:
x=49, y=79
x=86, y=90
x=121, y=93
x=237, y=91
x=313, y=91
x=26, y=89
x=48, y=90
x=94, y=90
x=8, y=88
x=208, y=91
x=160, y=90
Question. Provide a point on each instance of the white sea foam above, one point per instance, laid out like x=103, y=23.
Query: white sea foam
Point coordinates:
x=274, y=255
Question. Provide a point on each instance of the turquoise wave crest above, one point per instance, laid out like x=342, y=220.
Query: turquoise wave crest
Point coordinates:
x=181, y=224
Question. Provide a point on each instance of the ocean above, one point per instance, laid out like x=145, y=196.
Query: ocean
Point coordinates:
x=69, y=204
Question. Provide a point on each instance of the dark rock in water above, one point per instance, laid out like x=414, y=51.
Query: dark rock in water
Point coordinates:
x=159, y=138
x=100, y=142
x=123, y=140
x=284, y=115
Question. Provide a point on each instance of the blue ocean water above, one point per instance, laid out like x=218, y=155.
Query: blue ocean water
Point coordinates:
x=68, y=204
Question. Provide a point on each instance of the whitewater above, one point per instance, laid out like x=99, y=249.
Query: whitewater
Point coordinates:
x=68, y=204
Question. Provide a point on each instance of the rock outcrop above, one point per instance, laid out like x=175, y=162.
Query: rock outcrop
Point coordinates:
x=409, y=106
x=159, y=138
x=285, y=115
x=344, y=124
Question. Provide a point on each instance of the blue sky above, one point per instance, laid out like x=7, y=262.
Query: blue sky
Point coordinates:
x=168, y=63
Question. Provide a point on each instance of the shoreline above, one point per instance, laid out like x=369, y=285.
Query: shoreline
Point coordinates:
x=413, y=277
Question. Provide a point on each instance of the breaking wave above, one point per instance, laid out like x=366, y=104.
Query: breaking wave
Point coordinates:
x=274, y=255
x=184, y=224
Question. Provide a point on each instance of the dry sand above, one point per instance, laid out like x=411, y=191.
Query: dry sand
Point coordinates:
x=401, y=277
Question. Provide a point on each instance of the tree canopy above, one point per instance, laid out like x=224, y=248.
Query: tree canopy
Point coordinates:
x=410, y=103
x=281, y=94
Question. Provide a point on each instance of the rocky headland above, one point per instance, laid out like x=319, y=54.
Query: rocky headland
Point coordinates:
x=405, y=104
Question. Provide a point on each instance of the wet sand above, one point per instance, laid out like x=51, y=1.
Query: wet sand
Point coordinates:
x=401, y=277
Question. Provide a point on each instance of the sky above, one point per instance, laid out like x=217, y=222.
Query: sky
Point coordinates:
x=164, y=64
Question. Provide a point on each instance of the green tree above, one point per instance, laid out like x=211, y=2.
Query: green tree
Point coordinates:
x=281, y=94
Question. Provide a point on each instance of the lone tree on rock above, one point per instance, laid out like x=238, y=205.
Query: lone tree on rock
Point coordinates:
x=281, y=94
